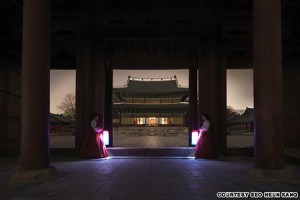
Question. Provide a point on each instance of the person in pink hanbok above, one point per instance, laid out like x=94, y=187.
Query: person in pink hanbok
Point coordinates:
x=205, y=147
x=93, y=145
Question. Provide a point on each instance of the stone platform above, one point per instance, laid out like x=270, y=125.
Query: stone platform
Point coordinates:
x=143, y=178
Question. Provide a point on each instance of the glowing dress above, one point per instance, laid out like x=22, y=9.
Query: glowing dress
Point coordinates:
x=93, y=145
x=205, y=146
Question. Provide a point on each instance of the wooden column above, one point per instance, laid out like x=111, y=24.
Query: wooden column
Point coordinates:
x=222, y=137
x=267, y=63
x=108, y=101
x=193, y=120
x=100, y=81
x=209, y=78
x=85, y=84
x=79, y=97
x=35, y=85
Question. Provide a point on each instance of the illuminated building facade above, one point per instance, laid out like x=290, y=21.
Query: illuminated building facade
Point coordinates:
x=150, y=102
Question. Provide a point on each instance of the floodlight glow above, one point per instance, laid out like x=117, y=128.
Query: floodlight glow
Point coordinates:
x=194, y=137
x=106, y=137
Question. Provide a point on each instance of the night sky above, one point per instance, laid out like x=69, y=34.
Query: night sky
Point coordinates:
x=239, y=84
x=240, y=88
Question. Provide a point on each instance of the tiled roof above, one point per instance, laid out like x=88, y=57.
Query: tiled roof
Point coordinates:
x=59, y=119
x=140, y=85
x=150, y=106
x=246, y=117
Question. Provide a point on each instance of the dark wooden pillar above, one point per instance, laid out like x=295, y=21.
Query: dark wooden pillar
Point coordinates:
x=79, y=98
x=108, y=100
x=35, y=85
x=267, y=63
x=100, y=81
x=193, y=120
x=85, y=84
x=222, y=137
x=209, y=102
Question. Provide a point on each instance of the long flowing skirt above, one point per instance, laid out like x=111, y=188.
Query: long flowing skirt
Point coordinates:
x=205, y=147
x=93, y=146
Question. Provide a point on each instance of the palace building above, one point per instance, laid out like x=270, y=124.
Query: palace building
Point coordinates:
x=150, y=102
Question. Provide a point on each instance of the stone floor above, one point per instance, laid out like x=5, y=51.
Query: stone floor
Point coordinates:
x=143, y=178
x=150, y=141
x=128, y=141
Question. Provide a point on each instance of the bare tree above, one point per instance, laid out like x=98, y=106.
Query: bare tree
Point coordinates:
x=68, y=106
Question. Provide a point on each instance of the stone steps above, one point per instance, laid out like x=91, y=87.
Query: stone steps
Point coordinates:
x=153, y=152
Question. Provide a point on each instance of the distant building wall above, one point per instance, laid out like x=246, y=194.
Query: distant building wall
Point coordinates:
x=10, y=103
x=60, y=128
x=61, y=125
x=241, y=124
x=291, y=100
x=244, y=127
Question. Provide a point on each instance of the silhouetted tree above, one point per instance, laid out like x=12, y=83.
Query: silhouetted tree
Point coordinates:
x=68, y=106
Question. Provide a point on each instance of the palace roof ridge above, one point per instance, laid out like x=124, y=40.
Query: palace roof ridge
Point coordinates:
x=152, y=85
x=152, y=79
